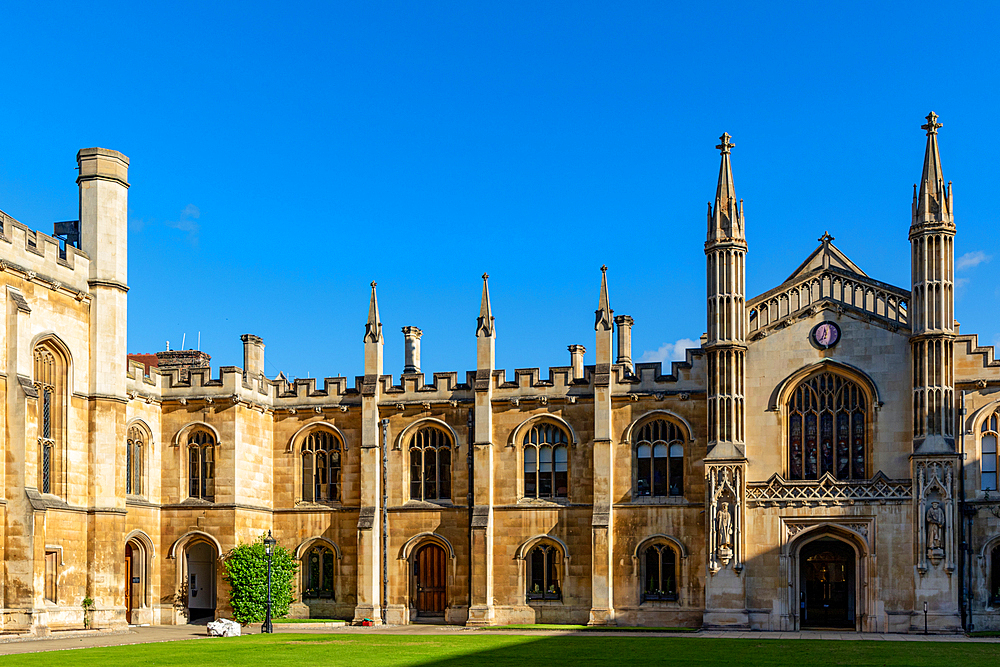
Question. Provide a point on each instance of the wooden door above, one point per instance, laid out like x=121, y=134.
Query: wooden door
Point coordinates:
x=128, y=583
x=429, y=577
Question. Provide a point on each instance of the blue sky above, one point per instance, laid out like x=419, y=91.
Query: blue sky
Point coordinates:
x=284, y=155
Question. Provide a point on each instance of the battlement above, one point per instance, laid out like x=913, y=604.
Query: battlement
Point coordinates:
x=45, y=257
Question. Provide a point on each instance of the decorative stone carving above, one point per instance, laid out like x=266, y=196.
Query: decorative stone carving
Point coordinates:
x=684, y=396
x=633, y=397
x=318, y=410
x=182, y=401
x=827, y=490
x=659, y=395
x=344, y=408
x=515, y=402
x=292, y=411
x=400, y=407
x=235, y=398
x=543, y=400
x=981, y=384
x=426, y=405
x=571, y=400
x=453, y=403
x=935, y=532
x=209, y=400
x=725, y=489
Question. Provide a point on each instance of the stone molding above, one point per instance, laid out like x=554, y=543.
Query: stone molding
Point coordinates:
x=827, y=490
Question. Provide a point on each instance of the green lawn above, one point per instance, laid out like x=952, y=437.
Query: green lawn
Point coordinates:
x=450, y=650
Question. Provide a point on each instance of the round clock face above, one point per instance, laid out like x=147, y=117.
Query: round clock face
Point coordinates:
x=826, y=334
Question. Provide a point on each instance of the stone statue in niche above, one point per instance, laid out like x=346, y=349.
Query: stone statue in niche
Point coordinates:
x=724, y=532
x=935, y=531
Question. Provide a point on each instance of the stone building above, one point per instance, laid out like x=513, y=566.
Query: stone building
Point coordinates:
x=826, y=458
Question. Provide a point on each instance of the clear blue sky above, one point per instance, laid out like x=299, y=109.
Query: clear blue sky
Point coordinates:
x=284, y=155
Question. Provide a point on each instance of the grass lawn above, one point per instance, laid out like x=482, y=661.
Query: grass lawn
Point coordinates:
x=587, y=628
x=450, y=650
x=308, y=620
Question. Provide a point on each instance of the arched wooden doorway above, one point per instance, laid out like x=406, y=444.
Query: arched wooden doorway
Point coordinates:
x=430, y=580
x=130, y=577
x=200, y=559
x=827, y=589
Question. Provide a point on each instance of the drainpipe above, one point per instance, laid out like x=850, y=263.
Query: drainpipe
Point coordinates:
x=470, y=462
x=965, y=531
x=385, y=517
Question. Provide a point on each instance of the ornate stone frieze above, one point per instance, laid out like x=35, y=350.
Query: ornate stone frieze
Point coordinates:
x=826, y=491
x=934, y=482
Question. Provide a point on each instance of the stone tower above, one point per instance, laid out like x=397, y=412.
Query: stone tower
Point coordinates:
x=935, y=464
x=602, y=574
x=725, y=463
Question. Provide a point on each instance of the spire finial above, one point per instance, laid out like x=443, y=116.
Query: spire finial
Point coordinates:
x=826, y=238
x=726, y=146
x=932, y=124
x=604, y=312
x=484, y=324
x=373, y=328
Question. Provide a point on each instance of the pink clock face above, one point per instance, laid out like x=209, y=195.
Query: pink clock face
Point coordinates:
x=826, y=334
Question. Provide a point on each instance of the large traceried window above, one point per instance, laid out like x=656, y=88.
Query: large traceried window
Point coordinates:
x=318, y=583
x=544, y=564
x=988, y=435
x=50, y=384
x=659, y=573
x=430, y=464
x=134, y=451
x=321, y=452
x=201, y=465
x=659, y=453
x=546, y=462
x=827, y=428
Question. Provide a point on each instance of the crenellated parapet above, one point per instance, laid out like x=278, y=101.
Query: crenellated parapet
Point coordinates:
x=43, y=259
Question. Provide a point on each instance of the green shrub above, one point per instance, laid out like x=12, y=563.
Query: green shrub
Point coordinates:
x=246, y=573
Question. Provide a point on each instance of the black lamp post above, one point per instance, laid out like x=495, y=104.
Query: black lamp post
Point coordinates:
x=269, y=543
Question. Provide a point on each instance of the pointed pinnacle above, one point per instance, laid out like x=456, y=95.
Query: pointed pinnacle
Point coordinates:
x=373, y=328
x=726, y=146
x=604, y=312
x=484, y=324
x=932, y=124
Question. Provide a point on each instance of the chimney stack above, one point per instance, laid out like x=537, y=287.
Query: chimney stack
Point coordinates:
x=411, y=349
x=576, y=353
x=624, y=323
x=253, y=356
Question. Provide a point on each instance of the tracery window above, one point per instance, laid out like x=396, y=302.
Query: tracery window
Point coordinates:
x=50, y=384
x=134, y=452
x=988, y=436
x=201, y=465
x=660, y=459
x=318, y=582
x=321, y=467
x=827, y=430
x=544, y=562
x=430, y=464
x=659, y=573
x=546, y=462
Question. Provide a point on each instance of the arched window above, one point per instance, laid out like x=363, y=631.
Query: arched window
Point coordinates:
x=430, y=464
x=50, y=384
x=988, y=435
x=134, y=451
x=544, y=565
x=827, y=431
x=321, y=467
x=660, y=459
x=546, y=462
x=201, y=465
x=318, y=580
x=659, y=573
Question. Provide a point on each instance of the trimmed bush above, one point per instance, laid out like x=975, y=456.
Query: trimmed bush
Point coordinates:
x=246, y=573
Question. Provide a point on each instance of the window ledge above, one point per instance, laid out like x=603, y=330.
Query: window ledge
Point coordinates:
x=427, y=504
x=659, y=500
x=319, y=504
x=545, y=603
x=544, y=502
x=196, y=501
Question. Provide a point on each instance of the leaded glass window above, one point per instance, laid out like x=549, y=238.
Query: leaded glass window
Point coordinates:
x=321, y=454
x=659, y=573
x=988, y=435
x=319, y=573
x=827, y=429
x=546, y=462
x=201, y=465
x=134, y=448
x=430, y=464
x=543, y=573
x=659, y=459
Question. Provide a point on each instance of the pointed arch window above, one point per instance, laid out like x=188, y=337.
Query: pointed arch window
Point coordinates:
x=135, y=449
x=546, y=462
x=201, y=465
x=828, y=428
x=319, y=563
x=50, y=370
x=659, y=451
x=988, y=437
x=430, y=464
x=659, y=573
x=321, y=453
x=544, y=569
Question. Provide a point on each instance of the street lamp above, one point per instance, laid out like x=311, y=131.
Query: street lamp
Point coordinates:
x=269, y=543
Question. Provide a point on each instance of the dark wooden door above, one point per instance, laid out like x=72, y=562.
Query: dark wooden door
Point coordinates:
x=128, y=583
x=429, y=577
x=828, y=573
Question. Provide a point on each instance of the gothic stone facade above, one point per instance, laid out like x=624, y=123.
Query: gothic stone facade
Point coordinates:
x=826, y=457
